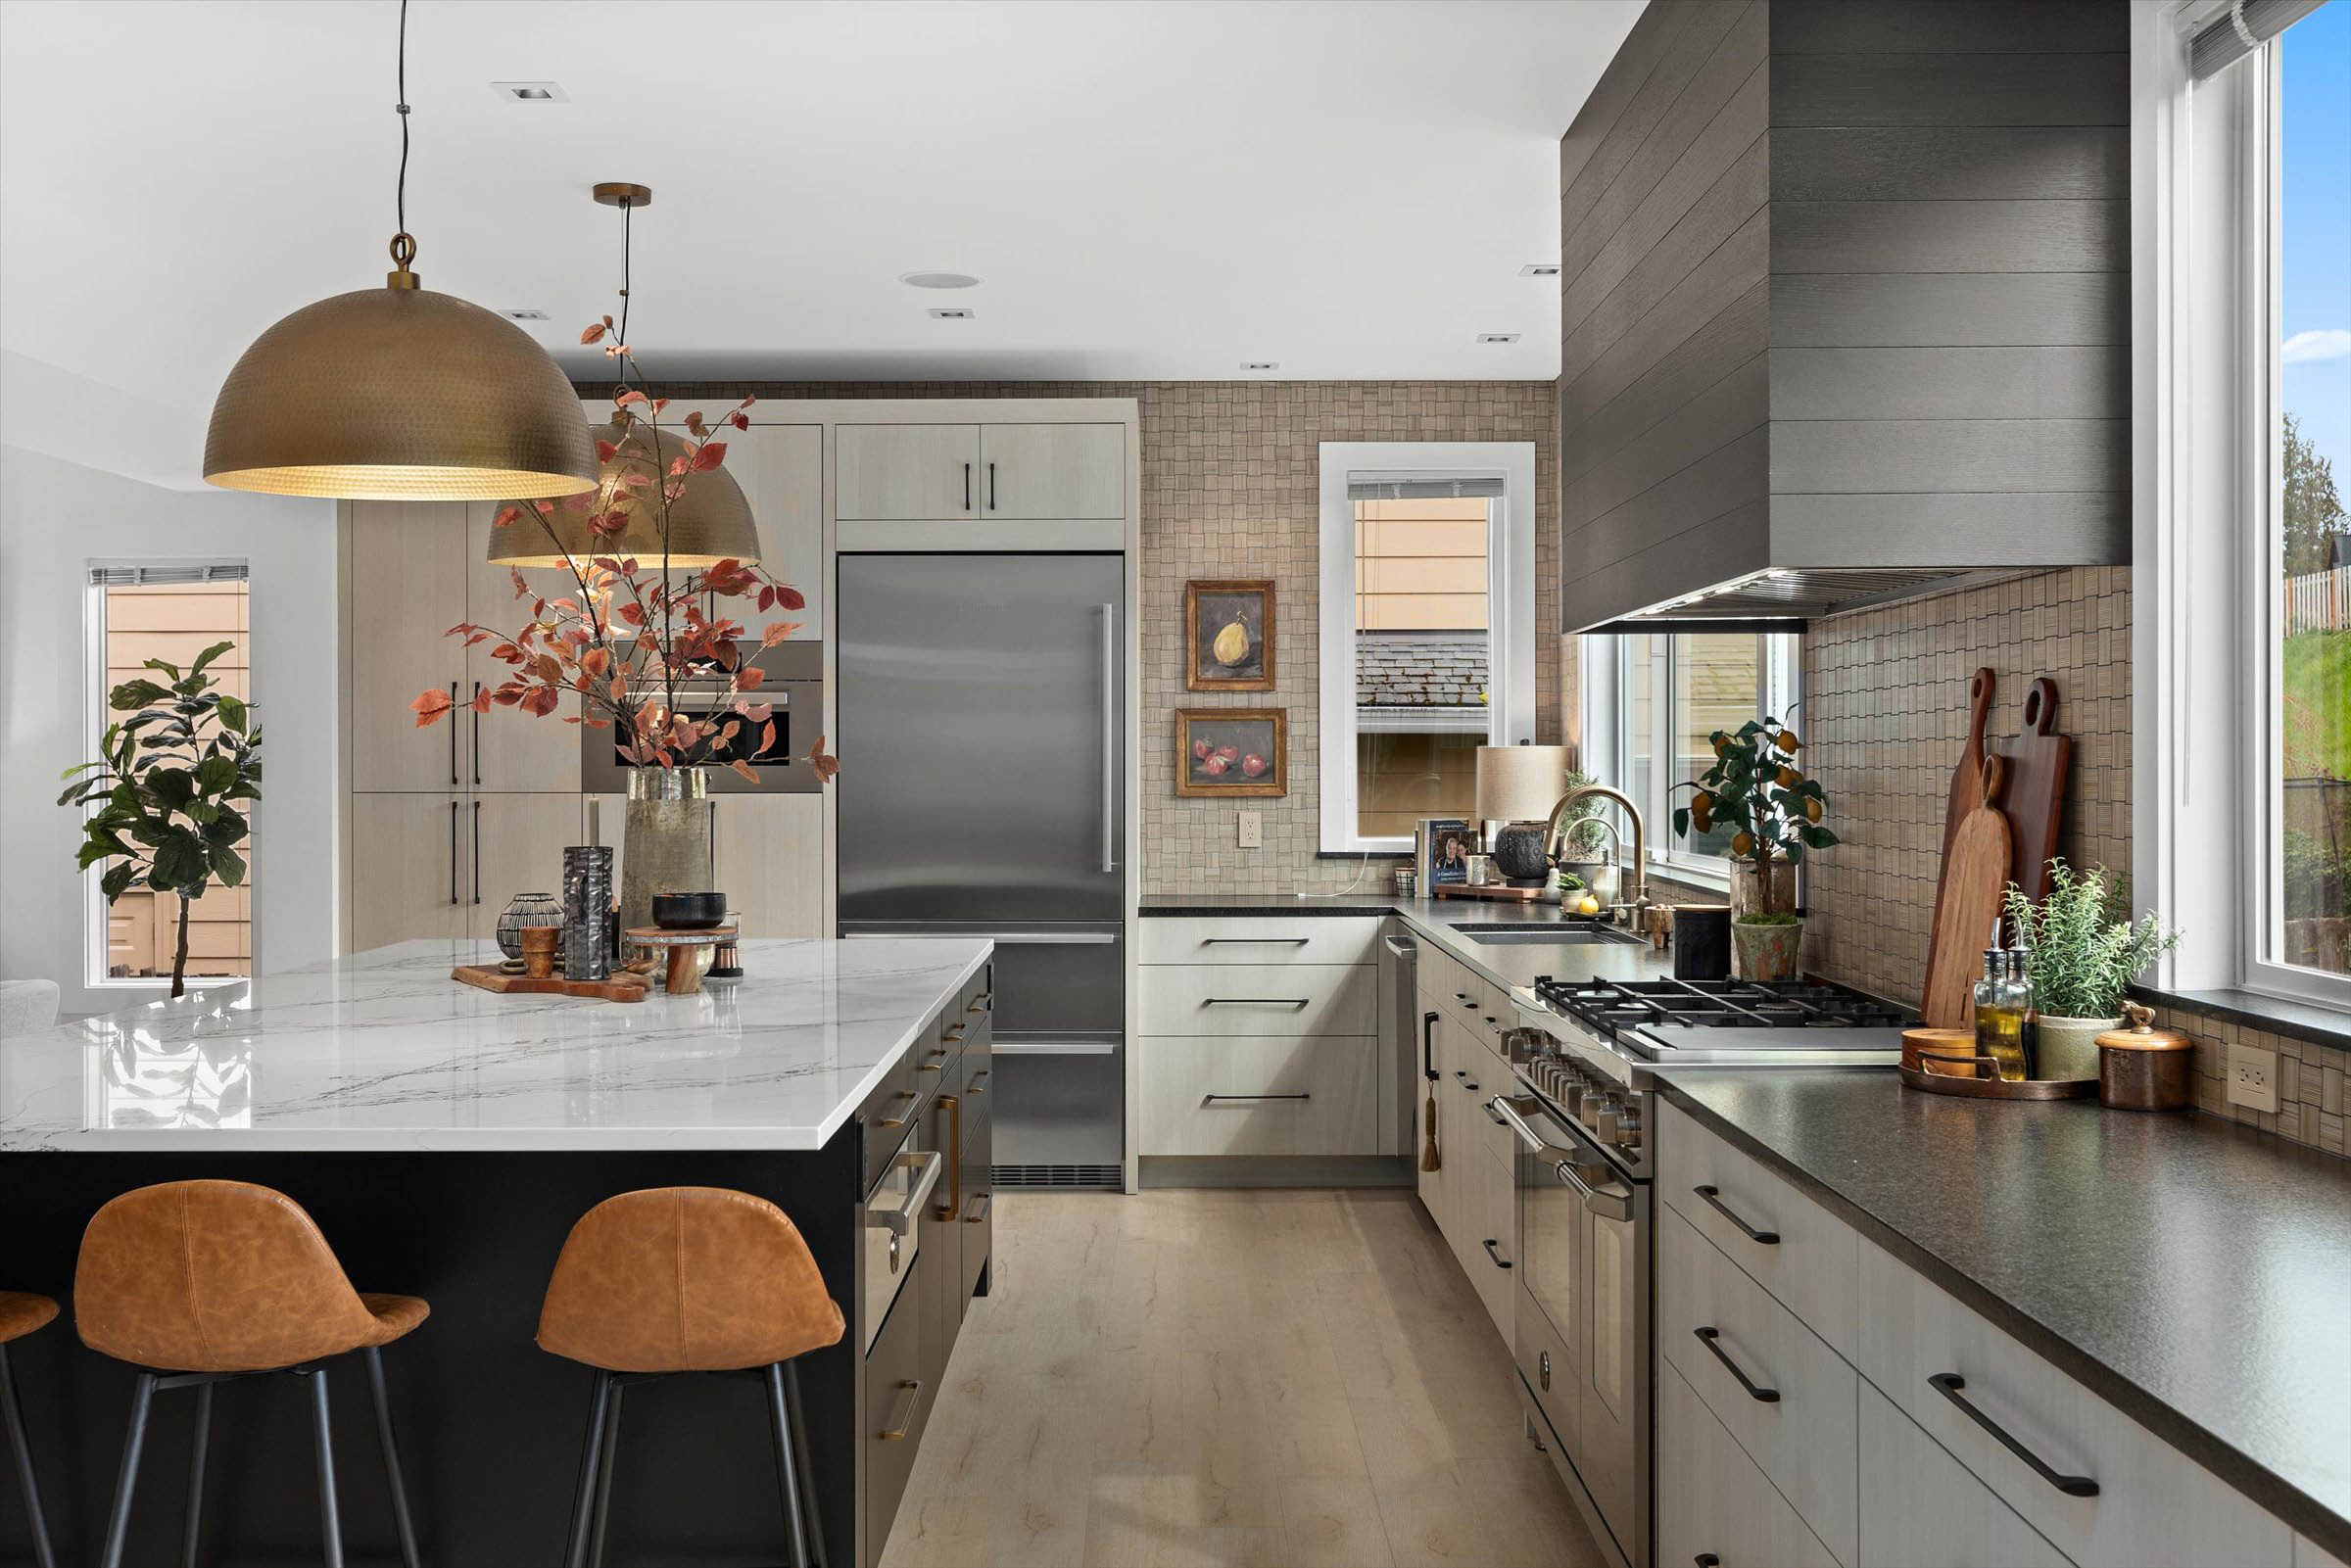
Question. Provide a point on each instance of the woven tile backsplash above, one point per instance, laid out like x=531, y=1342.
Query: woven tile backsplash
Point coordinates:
x=1231, y=489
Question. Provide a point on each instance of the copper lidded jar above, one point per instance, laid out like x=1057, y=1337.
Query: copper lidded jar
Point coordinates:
x=2142, y=1068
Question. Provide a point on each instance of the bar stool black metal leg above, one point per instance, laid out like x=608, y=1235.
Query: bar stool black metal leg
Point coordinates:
x=330, y=1511
x=401, y=1521
x=807, y=1464
x=787, y=1481
x=575, y=1552
x=198, y=1449
x=604, y=1474
x=117, y=1526
x=26, y=1482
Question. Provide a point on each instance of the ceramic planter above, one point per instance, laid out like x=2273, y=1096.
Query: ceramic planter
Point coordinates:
x=1766, y=952
x=1744, y=888
x=2068, y=1048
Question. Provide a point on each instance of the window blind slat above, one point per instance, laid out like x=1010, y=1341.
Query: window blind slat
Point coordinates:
x=161, y=576
x=2222, y=41
x=1368, y=488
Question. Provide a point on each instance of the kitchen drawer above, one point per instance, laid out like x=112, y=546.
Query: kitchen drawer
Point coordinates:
x=888, y=1115
x=1476, y=1080
x=979, y=1192
x=1295, y=999
x=2152, y=1505
x=1802, y=1436
x=1487, y=1212
x=1297, y=940
x=1714, y=1505
x=2308, y=1553
x=897, y=1404
x=1920, y=1509
x=1257, y=1095
x=979, y=1061
x=1811, y=1259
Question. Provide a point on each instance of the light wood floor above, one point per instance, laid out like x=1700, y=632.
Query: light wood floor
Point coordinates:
x=1230, y=1378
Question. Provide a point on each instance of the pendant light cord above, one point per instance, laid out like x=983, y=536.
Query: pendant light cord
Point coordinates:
x=400, y=191
x=628, y=211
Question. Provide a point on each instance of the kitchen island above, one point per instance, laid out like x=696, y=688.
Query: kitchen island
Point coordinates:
x=446, y=1139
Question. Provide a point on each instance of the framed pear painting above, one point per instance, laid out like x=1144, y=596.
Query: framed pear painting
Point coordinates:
x=1228, y=636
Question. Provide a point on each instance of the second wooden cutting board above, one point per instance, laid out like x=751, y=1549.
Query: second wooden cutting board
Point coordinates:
x=1975, y=876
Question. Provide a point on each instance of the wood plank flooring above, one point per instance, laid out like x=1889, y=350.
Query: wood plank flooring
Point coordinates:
x=1240, y=1379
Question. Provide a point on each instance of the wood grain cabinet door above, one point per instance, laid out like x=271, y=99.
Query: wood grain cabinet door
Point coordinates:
x=782, y=471
x=406, y=576
x=409, y=872
x=507, y=749
x=905, y=473
x=1052, y=472
x=514, y=843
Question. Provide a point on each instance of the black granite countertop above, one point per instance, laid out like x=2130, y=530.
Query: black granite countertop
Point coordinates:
x=2194, y=1272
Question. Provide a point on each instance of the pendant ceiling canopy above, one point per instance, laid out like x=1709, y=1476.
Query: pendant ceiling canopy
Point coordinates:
x=398, y=394
x=711, y=520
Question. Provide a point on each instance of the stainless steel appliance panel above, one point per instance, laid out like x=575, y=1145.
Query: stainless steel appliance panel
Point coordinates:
x=980, y=707
x=1061, y=1102
x=794, y=688
x=1399, y=1039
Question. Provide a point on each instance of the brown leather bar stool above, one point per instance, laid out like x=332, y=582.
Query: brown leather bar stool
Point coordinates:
x=689, y=1279
x=19, y=1314
x=197, y=1283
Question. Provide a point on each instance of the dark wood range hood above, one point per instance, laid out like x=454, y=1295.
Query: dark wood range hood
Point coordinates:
x=1845, y=305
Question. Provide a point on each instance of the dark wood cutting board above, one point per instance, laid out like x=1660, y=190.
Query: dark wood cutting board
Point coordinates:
x=1967, y=793
x=2033, y=796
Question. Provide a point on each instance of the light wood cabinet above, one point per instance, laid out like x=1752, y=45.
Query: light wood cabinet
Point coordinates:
x=1714, y=1505
x=406, y=569
x=1053, y=471
x=507, y=749
x=767, y=853
x=514, y=843
x=1257, y=1095
x=905, y=473
x=408, y=871
x=782, y=471
x=1298, y=999
x=1920, y=1509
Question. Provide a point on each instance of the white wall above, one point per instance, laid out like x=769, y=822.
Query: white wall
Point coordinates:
x=56, y=518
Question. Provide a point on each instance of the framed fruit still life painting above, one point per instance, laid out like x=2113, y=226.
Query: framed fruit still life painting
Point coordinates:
x=1228, y=636
x=1232, y=751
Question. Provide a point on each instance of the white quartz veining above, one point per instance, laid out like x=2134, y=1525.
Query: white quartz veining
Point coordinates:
x=383, y=1051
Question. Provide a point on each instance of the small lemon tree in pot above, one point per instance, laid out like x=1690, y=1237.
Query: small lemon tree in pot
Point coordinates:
x=1756, y=790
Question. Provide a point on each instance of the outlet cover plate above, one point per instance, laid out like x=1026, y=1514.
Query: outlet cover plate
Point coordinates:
x=1252, y=827
x=2253, y=1077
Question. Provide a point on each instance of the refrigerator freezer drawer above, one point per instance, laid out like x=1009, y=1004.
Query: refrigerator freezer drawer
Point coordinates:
x=1060, y=1104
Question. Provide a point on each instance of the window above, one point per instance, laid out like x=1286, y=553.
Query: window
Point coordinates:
x=1655, y=698
x=1427, y=630
x=172, y=612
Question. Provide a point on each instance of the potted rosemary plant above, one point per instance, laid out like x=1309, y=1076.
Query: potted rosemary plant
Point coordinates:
x=1774, y=813
x=2084, y=950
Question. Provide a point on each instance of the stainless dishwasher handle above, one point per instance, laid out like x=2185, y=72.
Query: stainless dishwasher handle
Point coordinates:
x=900, y=1220
x=1400, y=946
x=1110, y=738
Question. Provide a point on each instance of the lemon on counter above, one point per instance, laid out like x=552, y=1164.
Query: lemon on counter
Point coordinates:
x=1587, y=905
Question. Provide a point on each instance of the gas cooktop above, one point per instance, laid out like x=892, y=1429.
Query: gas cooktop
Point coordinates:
x=1733, y=1023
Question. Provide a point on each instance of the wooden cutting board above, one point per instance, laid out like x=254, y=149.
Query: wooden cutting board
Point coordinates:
x=1967, y=791
x=621, y=988
x=1975, y=876
x=2038, y=759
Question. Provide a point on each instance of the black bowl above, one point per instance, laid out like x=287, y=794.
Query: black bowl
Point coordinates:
x=688, y=912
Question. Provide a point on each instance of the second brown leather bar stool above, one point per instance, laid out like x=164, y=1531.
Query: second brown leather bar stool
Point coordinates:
x=198, y=1282
x=19, y=1314
x=689, y=1279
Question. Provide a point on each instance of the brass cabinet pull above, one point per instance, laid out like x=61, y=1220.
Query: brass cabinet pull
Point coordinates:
x=953, y=1208
x=939, y=1059
x=979, y=1213
x=978, y=1084
x=983, y=1002
x=901, y=1418
x=953, y=1031
x=896, y=1121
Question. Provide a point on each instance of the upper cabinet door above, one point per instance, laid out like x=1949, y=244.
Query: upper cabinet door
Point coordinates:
x=408, y=588
x=1051, y=472
x=507, y=749
x=906, y=473
x=782, y=471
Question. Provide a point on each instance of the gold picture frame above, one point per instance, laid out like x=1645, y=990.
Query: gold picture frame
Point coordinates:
x=1217, y=749
x=1212, y=608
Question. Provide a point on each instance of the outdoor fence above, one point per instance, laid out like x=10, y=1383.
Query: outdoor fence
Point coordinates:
x=2319, y=601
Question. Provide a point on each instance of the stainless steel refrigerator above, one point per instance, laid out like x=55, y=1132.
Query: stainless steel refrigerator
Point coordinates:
x=980, y=702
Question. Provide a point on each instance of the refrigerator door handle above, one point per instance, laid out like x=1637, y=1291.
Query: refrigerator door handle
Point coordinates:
x=1110, y=738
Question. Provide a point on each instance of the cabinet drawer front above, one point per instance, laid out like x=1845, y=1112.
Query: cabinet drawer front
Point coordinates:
x=1257, y=1095
x=1811, y=1265
x=1714, y=1505
x=2152, y=1503
x=1720, y=1326
x=1315, y=939
x=1487, y=1212
x=1920, y=1509
x=1294, y=999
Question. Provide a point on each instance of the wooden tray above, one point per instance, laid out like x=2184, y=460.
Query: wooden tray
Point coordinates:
x=2000, y=1088
x=621, y=988
x=1518, y=895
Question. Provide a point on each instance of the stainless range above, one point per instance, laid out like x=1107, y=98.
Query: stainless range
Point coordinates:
x=1583, y=1114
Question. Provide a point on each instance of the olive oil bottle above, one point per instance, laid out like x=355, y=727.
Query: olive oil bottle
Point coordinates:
x=1999, y=1019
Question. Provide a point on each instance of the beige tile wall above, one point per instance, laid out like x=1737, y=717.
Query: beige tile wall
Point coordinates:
x=1229, y=489
x=2310, y=1078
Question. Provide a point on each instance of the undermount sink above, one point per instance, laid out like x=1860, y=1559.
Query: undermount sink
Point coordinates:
x=1550, y=935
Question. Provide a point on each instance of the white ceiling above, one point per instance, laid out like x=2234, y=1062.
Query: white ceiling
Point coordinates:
x=1148, y=189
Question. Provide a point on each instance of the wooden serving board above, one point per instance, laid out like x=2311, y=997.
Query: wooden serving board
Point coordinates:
x=1523, y=895
x=621, y=988
x=1967, y=789
x=1975, y=876
x=2038, y=759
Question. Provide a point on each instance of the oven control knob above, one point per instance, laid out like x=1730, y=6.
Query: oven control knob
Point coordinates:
x=1622, y=1129
x=1597, y=1107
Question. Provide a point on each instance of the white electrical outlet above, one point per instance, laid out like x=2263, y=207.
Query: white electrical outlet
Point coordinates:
x=2253, y=1077
x=1252, y=827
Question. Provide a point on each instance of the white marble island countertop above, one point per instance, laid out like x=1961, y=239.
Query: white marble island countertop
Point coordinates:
x=382, y=1051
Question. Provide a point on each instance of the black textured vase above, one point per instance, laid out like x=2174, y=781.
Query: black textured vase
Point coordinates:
x=1518, y=854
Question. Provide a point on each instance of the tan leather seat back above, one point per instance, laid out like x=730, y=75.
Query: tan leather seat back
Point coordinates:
x=686, y=1279
x=213, y=1276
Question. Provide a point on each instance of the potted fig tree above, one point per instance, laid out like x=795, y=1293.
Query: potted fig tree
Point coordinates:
x=1773, y=813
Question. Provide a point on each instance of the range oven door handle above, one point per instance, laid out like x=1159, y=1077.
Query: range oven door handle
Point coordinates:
x=1608, y=1203
x=900, y=1218
x=1510, y=1117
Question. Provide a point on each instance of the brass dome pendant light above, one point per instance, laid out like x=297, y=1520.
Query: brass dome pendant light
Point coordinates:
x=398, y=394
x=709, y=519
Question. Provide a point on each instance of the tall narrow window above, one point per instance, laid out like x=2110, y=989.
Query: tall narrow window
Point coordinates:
x=172, y=612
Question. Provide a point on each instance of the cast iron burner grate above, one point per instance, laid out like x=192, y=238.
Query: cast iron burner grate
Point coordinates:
x=1609, y=1005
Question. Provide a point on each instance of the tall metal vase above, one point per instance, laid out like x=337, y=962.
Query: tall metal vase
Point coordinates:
x=666, y=839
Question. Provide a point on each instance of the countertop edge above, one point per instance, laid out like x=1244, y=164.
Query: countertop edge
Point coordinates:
x=2298, y=1509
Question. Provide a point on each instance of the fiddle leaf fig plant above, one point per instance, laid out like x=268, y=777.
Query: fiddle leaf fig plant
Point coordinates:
x=166, y=790
x=1755, y=788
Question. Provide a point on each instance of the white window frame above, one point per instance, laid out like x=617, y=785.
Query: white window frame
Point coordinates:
x=2204, y=753
x=1510, y=605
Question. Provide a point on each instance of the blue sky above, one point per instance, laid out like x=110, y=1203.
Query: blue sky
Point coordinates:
x=2315, y=268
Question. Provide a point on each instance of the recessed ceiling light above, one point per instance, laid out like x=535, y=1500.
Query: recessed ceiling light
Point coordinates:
x=531, y=92
x=939, y=280
x=1540, y=269
x=954, y=313
x=1260, y=364
x=1498, y=337
x=524, y=314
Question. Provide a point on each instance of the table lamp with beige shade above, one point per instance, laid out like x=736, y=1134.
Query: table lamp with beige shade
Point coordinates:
x=1516, y=788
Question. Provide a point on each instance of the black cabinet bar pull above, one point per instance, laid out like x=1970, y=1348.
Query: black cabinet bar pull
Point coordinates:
x=453, y=744
x=1212, y=1099
x=1492, y=1252
x=1950, y=1385
x=477, y=852
x=476, y=706
x=1467, y=1082
x=1428, y=1060
x=1708, y=1337
x=966, y=486
x=1254, y=1001
x=1713, y=1198
x=453, y=851
x=1253, y=941
x=992, y=487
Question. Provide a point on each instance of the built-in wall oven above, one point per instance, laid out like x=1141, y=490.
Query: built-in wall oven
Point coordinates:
x=1582, y=1322
x=794, y=689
